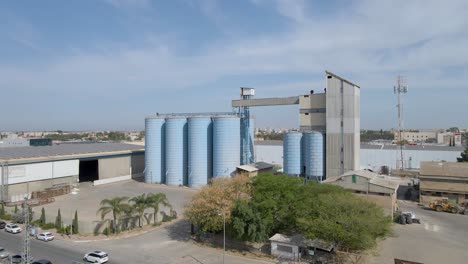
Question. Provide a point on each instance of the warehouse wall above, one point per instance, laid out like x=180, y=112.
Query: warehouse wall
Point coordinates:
x=370, y=158
x=41, y=171
x=374, y=158
x=114, y=167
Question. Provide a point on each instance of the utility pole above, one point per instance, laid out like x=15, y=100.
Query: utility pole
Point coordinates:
x=400, y=89
x=26, y=254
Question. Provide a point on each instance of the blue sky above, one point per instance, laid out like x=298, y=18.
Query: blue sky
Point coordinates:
x=106, y=64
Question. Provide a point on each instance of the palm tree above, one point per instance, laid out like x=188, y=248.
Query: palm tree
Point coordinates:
x=140, y=203
x=128, y=212
x=113, y=205
x=155, y=199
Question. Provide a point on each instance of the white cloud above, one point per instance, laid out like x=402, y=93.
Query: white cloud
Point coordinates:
x=370, y=43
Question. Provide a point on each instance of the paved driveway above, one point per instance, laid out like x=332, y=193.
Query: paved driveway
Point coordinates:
x=88, y=198
x=440, y=238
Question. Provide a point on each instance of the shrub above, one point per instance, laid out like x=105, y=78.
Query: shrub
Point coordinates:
x=6, y=217
x=106, y=231
x=2, y=210
x=48, y=226
x=43, y=217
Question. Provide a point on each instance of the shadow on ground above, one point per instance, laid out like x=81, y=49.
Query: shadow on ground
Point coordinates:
x=179, y=230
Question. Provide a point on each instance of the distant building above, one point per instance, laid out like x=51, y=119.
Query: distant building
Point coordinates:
x=24, y=142
x=448, y=138
x=443, y=179
x=415, y=136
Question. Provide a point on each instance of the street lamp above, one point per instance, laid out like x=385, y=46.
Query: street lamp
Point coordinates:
x=224, y=233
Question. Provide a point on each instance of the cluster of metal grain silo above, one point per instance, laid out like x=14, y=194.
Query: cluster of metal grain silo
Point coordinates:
x=304, y=154
x=191, y=149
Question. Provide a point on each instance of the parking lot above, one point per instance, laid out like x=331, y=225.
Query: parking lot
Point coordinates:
x=87, y=200
x=440, y=238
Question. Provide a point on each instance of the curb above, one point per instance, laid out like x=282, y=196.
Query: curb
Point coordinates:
x=122, y=237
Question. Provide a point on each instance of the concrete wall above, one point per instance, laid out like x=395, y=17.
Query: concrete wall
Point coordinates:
x=443, y=185
x=287, y=255
x=114, y=167
x=343, y=115
x=312, y=114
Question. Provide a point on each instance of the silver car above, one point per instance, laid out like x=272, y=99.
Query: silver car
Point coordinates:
x=3, y=253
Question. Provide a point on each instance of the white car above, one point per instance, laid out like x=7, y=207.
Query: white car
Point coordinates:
x=13, y=228
x=96, y=257
x=47, y=236
x=3, y=253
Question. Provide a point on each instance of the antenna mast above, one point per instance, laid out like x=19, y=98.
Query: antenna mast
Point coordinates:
x=400, y=89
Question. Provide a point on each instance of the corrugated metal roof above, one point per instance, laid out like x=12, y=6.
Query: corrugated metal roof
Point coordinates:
x=300, y=240
x=373, y=177
x=445, y=169
x=255, y=166
x=64, y=149
x=377, y=146
x=384, y=183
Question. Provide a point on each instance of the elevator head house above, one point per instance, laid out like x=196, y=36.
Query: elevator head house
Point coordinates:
x=25, y=171
x=333, y=111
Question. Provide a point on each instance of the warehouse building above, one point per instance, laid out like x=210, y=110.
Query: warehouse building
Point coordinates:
x=372, y=186
x=27, y=170
x=443, y=179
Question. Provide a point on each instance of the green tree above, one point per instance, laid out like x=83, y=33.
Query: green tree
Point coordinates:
x=75, y=223
x=464, y=155
x=113, y=205
x=349, y=221
x=30, y=214
x=58, y=221
x=140, y=203
x=155, y=200
x=248, y=223
x=42, y=219
x=2, y=210
x=16, y=209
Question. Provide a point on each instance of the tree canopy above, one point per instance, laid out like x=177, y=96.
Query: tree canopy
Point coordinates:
x=282, y=204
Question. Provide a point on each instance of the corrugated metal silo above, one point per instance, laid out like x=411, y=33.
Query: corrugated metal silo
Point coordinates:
x=200, y=149
x=292, y=161
x=176, y=151
x=154, y=150
x=313, y=150
x=226, y=145
x=247, y=147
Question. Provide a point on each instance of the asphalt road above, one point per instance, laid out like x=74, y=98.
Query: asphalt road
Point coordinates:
x=169, y=244
x=39, y=249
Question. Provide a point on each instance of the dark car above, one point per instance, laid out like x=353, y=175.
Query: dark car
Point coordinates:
x=16, y=259
x=42, y=261
x=2, y=224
